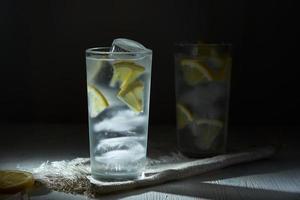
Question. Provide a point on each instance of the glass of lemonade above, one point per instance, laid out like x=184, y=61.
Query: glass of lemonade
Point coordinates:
x=202, y=74
x=118, y=87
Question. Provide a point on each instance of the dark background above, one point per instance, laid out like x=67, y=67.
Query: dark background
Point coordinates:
x=43, y=61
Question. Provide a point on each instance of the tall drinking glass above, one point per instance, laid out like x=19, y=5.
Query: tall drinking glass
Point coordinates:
x=202, y=74
x=118, y=87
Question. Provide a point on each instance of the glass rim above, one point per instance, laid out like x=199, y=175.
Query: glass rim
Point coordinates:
x=193, y=44
x=106, y=51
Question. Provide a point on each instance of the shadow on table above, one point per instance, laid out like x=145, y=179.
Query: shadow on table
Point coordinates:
x=39, y=190
x=216, y=191
x=210, y=186
x=263, y=167
x=207, y=191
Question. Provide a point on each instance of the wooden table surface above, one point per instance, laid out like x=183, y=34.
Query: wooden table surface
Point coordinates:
x=275, y=178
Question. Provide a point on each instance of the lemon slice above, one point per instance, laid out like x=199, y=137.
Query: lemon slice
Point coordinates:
x=194, y=72
x=15, y=181
x=97, y=101
x=132, y=96
x=209, y=129
x=184, y=116
x=125, y=73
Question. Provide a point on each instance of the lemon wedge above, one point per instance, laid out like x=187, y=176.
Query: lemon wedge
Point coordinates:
x=13, y=181
x=125, y=73
x=209, y=129
x=184, y=116
x=194, y=72
x=132, y=96
x=97, y=101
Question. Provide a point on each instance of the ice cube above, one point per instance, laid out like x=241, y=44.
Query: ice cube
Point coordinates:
x=120, y=151
x=126, y=45
x=123, y=120
x=199, y=136
x=204, y=99
x=206, y=135
x=119, y=143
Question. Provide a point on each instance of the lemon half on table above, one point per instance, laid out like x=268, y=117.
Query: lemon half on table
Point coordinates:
x=184, y=116
x=13, y=181
x=125, y=72
x=132, y=96
x=97, y=101
x=194, y=72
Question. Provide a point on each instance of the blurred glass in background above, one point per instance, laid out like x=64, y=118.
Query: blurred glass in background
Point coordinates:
x=202, y=78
